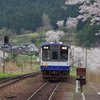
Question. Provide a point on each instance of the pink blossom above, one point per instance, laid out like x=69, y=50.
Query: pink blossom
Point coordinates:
x=60, y=23
x=93, y=58
x=52, y=35
x=87, y=10
x=71, y=23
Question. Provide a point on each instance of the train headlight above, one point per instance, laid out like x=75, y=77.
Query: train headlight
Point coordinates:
x=64, y=48
x=46, y=47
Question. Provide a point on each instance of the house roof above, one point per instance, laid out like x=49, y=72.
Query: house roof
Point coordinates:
x=28, y=43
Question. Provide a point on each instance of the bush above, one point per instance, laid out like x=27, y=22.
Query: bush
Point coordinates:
x=15, y=55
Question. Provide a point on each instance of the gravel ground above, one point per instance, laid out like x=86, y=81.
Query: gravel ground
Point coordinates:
x=20, y=87
x=26, y=87
x=21, y=90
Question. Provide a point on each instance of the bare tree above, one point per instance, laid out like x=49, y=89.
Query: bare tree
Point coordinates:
x=46, y=23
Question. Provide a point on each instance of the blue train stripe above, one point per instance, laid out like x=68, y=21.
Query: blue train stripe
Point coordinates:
x=58, y=68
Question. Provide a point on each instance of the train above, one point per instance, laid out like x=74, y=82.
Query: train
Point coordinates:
x=55, y=60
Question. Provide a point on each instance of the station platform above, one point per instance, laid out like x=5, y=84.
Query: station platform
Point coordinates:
x=80, y=96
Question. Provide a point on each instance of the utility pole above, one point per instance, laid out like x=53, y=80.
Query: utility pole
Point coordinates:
x=11, y=50
x=86, y=59
x=70, y=39
x=72, y=50
x=4, y=59
x=31, y=61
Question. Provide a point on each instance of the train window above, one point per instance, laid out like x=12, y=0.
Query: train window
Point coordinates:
x=63, y=53
x=54, y=55
x=46, y=55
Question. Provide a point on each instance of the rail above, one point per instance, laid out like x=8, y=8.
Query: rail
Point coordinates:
x=51, y=93
x=7, y=81
x=38, y=90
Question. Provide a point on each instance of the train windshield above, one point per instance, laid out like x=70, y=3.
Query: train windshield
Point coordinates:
x=64, y=53
x=55, y=53
x=46, y=53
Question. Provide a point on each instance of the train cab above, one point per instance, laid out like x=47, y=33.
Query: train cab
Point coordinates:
x=55, y=60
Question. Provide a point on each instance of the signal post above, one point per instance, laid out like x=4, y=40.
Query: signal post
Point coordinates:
x=81, y=72
x=6, y=40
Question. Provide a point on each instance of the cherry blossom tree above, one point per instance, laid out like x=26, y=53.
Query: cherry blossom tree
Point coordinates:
x=53, y=36
x=60, y=23
x=93, y=58
x=73, y=2
x=71, y=23
x=87, y=10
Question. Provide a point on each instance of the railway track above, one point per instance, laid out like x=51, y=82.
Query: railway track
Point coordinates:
x=39, y=94
x=7, y=81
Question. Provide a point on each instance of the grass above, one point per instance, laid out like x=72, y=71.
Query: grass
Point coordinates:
x=37, y=68
x=9, y=74
x=93, y=78
x=20, y=39
x=22, y=58
x=24, y=38
x=73, y=71
x=11, y=69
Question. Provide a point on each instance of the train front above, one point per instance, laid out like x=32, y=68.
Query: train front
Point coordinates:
x=55, y=61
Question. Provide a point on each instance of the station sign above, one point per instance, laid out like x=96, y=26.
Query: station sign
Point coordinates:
x=81, y=72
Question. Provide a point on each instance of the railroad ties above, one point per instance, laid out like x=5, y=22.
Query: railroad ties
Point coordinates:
x=80, y=96
x=39, y=94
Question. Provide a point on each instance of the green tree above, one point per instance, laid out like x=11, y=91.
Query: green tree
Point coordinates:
x=15, y=55
x=33, y=40
x=87, y=43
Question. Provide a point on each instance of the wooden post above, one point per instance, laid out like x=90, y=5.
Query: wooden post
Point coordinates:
x=81, y=88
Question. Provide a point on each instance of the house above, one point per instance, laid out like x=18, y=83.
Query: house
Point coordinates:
x=7, y=54
x=26, y=48
x=31, y=46
x=17, y=49
x=1, y=43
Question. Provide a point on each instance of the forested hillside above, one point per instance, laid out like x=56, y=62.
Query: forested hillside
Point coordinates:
x=27, y=14
x=86, y=34
x=36, y=15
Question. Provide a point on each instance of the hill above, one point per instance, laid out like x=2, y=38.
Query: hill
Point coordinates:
x=28, y=14
x=36, y=15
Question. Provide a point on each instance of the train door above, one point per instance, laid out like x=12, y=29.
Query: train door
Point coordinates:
x=55, y=57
